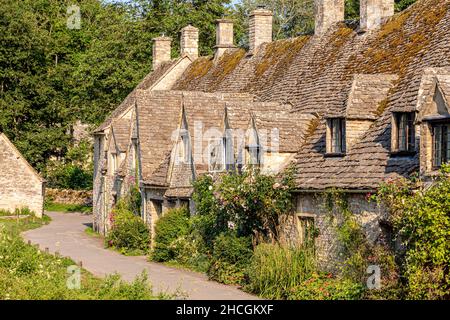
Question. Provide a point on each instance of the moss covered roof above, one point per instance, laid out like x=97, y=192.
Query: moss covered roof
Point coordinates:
x=315, y=75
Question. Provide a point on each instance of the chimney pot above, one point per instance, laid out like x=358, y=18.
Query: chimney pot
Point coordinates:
x=161, y=50
x=328, y=12
x=373, y=12
x=224, y=36
x=189, y=41
x=260, y=28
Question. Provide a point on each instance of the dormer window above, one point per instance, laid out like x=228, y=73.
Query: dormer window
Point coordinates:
x=336, y=142
x=441, y=144
x=186, y=152
x=254, y=154
x=114, y=163
x=216, y=161
x=228, y=151
x=403, y=132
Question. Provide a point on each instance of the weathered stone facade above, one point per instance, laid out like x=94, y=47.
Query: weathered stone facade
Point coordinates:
x=20, y=185
x=314, y=206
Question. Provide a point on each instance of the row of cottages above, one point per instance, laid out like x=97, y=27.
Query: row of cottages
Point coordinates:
x=349, y=107
x=20, y=185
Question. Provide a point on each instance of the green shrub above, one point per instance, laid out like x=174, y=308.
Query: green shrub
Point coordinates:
x=129, y=234
x=325, y=287
x=421, y=218
x=171, y=226
x=252, y=201
x=189, y=251
x=275, y=270
x=230, y=256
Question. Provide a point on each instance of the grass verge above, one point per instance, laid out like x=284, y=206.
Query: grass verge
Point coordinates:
x=67, y=208
x=26, y=273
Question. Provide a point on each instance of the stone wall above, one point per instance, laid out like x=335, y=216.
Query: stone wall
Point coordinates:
x=20, y=185
x=80, y=197
x=312, y=205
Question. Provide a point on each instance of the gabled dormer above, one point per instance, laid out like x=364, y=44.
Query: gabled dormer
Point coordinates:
x=434, y=120
x=183, y=150
x=254, y=145
x=368, y=94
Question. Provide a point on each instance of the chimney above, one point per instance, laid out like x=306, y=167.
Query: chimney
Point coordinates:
x=328, y=12
x=161, y=50
x=224, y=37
x=373, y=12
x=260, y=27
x=189, y=42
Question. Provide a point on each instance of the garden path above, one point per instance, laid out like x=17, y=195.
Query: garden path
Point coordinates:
x=66, y=235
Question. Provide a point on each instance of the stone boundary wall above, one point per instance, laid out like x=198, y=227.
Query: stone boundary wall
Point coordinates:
x=79, y=197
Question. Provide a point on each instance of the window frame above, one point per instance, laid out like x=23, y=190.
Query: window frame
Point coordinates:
x=303, y=237
x=403, y=134
x=444, y=144
x=331, y=147
x=220, y=146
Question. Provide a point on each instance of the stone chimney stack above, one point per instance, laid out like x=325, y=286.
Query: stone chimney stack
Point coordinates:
x=328, y=12
x=374, y=12
x=161, y=50
x=189, y=41
x=260, y=28
x=224, y=37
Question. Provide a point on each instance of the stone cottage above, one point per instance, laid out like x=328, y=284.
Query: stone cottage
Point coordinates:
x=349, y=107
x=20, y=185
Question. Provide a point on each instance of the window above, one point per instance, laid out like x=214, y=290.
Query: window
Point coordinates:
x=336, y=136
x=114, y=163
x=228, y=151
x=441, y=144
x=186, y=152
x=216, y=155
x=403, y=132
x=255, y=155
x=306, y=230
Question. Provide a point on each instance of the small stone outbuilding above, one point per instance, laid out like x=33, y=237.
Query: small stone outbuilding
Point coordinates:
x=20, y=185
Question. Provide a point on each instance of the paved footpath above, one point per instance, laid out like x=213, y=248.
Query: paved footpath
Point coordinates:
x=65, y=234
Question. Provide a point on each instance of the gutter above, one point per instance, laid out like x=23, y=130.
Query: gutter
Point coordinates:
x=355, y=191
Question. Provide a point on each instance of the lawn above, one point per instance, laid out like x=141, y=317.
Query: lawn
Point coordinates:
x=27, y=273
x=67, y=208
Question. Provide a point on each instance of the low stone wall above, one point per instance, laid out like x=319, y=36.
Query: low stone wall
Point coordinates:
x=79, y=197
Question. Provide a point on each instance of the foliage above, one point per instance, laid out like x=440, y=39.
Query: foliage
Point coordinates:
x=275, y=270
x=171, y=226
x=421, y=216
x=129, y=234
x=74, y=171
x=230, y=256
x=250, y=203
x=325, y=287
x=357, y=253
x=291, y=18
x=189, y=252
x=29, y=274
